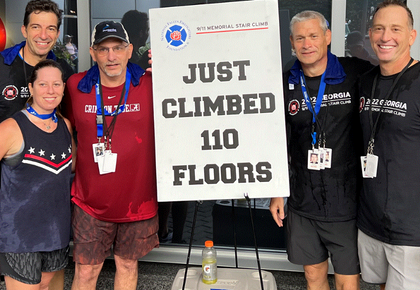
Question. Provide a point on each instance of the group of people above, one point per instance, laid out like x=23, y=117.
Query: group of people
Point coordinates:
x=114, y=203
x=364, y=225
x=368, y=226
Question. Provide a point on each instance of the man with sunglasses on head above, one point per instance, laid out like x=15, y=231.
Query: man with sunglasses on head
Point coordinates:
x=114, y=193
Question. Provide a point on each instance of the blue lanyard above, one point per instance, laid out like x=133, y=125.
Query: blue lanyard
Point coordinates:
x=314, y=111
x=100, y=116
x=42, y=116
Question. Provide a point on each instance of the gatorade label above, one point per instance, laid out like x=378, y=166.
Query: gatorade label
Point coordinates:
x=209, y=272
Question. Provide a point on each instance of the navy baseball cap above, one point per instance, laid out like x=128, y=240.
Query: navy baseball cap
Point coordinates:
x=108, y=29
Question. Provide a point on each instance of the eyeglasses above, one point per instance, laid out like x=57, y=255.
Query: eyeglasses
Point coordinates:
x=104, y=51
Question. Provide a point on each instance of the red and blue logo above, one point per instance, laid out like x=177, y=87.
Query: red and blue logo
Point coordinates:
x=176, y=35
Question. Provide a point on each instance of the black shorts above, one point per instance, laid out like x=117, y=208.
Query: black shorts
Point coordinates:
x=311, y=242
x=28, y=267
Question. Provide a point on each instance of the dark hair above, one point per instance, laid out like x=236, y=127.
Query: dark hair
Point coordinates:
x=387, y=3
x=135, y=20
x=68, y=38
x=136, y=24
x=42, y=64
x=34, y=76
x=37, y=6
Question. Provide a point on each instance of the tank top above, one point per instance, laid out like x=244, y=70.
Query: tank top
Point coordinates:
x=35, y=192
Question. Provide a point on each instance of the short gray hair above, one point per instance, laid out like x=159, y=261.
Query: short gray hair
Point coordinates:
x=308, y=15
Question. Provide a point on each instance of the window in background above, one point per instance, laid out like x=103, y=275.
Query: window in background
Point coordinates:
x=288, y=9
x=358, y=20
x=67, y=46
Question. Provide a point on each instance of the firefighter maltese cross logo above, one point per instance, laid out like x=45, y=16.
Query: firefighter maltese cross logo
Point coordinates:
x=176, y=35
x=10, y=92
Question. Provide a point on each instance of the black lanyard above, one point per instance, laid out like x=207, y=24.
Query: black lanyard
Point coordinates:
x=24, y=67
x=101, y=127
x=373, y=126
x=109, y=131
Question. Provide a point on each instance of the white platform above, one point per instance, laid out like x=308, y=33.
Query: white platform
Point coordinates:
x=227, y=279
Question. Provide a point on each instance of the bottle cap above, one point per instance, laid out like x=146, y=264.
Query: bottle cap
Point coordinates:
x=208, y=244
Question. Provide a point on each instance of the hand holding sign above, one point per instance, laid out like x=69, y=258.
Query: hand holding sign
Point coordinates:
x=219, y=116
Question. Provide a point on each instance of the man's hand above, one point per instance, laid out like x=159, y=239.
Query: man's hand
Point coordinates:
x=149, y=53
x=277, y=210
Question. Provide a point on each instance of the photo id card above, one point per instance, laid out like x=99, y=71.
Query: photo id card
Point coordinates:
x=363, y=162
x=107, y=163
x=98, y=150
x=321, y=158
x=327, y=157
x=313, y=159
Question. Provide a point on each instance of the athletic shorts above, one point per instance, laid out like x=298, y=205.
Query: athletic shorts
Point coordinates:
x=28, y=267
x=397, y=266
x=93, y=238
x=311, y=242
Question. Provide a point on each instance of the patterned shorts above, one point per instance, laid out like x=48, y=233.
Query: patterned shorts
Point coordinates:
x=28, y=267
x=93, y=238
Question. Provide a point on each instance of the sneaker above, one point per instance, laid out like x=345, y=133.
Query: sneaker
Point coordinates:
x=166, y=239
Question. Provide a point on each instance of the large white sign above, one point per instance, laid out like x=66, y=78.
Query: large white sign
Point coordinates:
x=218, y=101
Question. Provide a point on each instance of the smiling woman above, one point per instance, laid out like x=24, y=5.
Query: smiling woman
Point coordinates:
x=36, y=152
x=46, y=88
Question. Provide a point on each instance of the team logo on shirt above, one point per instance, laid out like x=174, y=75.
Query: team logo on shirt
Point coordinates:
x=294, y=107
x=10, y=92
x=362, y=104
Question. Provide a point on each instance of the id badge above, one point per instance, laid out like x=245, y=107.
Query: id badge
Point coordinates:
x=321, y=158
x=372, y=165
x=313, y=159
x=107, y=163
x=363, y=162
x=327, y=157
x=98, y=150
x=369, y=165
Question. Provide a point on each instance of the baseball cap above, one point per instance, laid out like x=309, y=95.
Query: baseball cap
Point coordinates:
x=107, y=29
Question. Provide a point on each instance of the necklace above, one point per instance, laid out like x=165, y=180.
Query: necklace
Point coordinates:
x=43, y=117
x=48, y=127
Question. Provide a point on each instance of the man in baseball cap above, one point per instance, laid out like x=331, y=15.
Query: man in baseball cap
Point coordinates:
x=107, y=29
x=115, y=200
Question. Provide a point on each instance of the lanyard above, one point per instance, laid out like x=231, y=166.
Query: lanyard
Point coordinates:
x=373, y=126
x=52, y=115
x=101, y=111
x=314, y=111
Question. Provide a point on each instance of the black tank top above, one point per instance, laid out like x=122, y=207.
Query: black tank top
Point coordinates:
x=35, y=192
